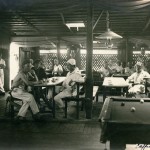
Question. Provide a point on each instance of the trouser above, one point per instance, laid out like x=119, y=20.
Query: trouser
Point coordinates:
x=58, y=98
x=1, y=85
x=28, y=101
x=50, y=92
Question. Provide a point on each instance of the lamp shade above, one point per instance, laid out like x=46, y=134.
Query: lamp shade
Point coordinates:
x=109, y=35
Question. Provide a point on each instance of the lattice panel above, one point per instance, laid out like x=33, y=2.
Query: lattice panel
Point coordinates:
x=138, y=57
x=48, y=59
x=83, y=61
x=63, y=59
x=98, y=59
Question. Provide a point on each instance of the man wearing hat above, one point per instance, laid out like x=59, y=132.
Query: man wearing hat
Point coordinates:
x=137, y=79
x=68, y=86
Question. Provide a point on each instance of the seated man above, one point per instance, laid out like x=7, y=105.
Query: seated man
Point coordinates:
x=19, y=90
x=112, y=66
x=137, y=80
x=104, y=70
x=40, y=72
x=57, y=70
x=68, y=87
x=129, y=69
x=119, y=67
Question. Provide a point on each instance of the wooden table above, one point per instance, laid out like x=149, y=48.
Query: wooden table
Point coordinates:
x=114, y=82
x=147, y=85
x=51, y=82
x=125, y=76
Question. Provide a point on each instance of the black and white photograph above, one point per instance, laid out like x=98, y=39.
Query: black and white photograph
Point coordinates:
x=75, y=75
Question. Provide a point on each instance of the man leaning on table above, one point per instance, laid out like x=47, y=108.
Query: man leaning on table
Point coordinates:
x=136, y=80
x=20, y=90
x=68, y=86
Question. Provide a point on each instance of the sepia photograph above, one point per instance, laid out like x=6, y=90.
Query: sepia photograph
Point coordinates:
x=74, y=75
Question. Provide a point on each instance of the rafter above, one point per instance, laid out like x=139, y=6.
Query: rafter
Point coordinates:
x=63, y=20
x=147, y=25
x=97, y=20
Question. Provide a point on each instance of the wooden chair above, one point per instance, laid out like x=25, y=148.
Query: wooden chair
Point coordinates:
x=78, y=98
x=12, y=101
x=75, y=99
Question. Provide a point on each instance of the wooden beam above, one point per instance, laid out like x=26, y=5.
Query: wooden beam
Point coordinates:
x=147, y=25
x=28, y=23
x=63, y=20
x=89, y=74
x=58, y=48
x=97, y=20
x=34, y=27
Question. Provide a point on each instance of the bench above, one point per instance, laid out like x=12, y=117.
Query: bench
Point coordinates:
x=78, y=98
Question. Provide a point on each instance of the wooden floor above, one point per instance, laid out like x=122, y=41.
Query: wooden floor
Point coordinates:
x=50, y=136
x=53, y=134
x=58, y=134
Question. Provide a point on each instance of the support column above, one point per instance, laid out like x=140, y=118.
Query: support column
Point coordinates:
x=125, y=51
x=89, y=76
x=35, y=53
x=58, y=49
x=78, y=58
x=129, y=50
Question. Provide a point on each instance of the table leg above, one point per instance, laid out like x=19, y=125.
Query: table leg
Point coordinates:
x=53, y=109
x=117, y=145
x=104, y=93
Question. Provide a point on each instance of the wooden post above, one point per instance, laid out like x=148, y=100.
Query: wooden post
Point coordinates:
x=78, y=58
x=35, y=53
x=129, y=51
x=89, y=76
x=58, y=49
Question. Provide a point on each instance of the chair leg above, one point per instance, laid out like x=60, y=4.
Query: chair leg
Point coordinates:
x=6, y=106
x=77, y=109
x=54, y=109
x=97, y=97
x=12, y=111
x=82, y=105
x=66, y=105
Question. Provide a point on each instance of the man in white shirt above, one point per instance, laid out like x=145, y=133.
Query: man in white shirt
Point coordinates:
x=2, y=66
x=68, y=86
x=104, y=70
x=57, y=70
x=136, y=80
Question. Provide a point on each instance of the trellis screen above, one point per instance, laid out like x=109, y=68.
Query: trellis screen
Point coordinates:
x=98, y=59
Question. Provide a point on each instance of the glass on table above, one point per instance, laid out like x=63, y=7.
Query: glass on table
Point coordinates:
x=109, y=81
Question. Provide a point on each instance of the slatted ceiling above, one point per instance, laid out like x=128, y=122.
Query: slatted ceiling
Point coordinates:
x=30, y=17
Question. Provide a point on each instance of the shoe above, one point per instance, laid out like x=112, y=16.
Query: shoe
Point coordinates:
x=42, y=108
x=20, y=119
x=61, y=110
x=37, y=117
x=2, y=92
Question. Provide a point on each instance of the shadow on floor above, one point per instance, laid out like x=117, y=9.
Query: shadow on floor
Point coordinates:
x=5, y=115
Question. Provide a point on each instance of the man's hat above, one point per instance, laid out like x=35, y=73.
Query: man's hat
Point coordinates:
x=139, y=64
x=71, y=61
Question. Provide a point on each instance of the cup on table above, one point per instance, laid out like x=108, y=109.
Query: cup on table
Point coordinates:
x=53, y=79
x=44, y=80
x=47, y=80
x=109, y=82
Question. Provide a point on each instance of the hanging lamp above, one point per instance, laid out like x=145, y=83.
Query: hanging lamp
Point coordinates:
x=108, y=35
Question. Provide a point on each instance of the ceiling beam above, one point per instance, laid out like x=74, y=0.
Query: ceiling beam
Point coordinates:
x=97, y=20
x=28, y=23
x=147, y=25
x=64, y=22
x=34, y=27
